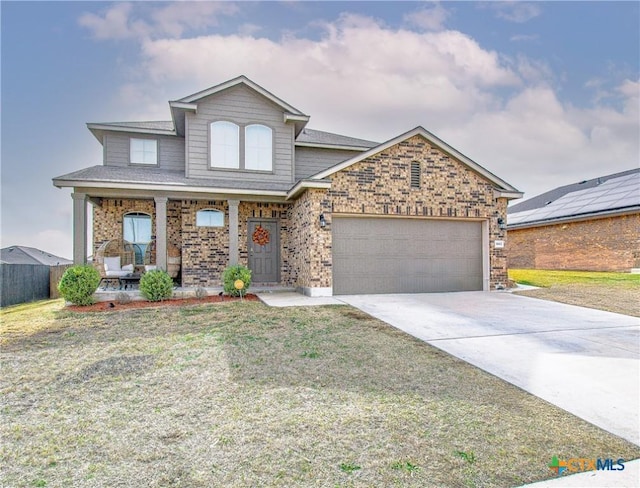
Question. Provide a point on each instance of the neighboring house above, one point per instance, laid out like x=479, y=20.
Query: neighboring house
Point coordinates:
x=27, y=274
x=593, y=225
x=30, y=255
x=236, y=177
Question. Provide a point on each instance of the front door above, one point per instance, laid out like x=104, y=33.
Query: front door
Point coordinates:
x=264, y=250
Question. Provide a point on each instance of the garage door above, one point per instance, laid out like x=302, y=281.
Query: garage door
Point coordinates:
x=395, y=255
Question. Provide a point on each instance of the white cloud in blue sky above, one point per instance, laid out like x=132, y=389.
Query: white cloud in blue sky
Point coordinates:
x=541, y=94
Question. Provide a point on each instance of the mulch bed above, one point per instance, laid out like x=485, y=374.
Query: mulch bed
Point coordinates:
x=174, y=302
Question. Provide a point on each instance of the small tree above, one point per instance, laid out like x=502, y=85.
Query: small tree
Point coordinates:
x=156, y=285
x=78, y=283
x=233, y=274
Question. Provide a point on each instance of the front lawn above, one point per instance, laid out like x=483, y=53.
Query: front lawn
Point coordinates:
x=239, y=394
x=547, y=278
x=613, y=292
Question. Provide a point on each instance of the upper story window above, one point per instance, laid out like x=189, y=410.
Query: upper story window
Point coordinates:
x=136, y=228
x=225, y=145
x=209, y=218
x=143, y=151
x=258, y=148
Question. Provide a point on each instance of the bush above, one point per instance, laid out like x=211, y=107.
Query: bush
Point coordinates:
x=156, y=285
x=78, y=283
x=231, y=275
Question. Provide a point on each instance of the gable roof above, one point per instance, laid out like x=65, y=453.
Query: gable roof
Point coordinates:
x=506, y=189
x=30, y=255
x=190, y=103
x=613, y=194
x=154, y=179
x=318, y=138
x=158, y=127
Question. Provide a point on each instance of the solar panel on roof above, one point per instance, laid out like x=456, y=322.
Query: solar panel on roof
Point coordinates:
x=614, y=193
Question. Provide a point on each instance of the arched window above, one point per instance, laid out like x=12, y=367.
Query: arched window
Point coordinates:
x=209, y=218
x=225, y=144
x=258, y=148
x=136, y=228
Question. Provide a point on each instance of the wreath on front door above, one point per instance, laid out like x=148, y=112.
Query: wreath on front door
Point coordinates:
x=260, y=236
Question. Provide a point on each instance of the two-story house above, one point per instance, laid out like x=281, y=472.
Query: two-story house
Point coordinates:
x=236, y=177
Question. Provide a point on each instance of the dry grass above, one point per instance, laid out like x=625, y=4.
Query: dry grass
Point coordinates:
x=240, y=394
x=613, y=292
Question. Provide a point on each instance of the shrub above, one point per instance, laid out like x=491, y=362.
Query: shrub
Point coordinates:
x=156, y=285
x=231, y=275
x=78, y=283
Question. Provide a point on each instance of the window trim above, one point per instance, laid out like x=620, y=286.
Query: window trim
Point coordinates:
x=271, y=133
x=241, y=149
x=221, y=212
x=210, y=150
x=137, y=214
x=144, y=139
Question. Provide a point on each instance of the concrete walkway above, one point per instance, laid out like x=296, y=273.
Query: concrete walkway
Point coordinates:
x=585, y=361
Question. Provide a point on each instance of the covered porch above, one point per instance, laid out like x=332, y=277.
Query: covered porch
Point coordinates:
x=210, y=232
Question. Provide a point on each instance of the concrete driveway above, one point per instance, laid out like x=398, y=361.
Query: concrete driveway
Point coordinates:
x=582, y=360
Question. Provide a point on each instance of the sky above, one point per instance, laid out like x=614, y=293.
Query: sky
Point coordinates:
x=542, y=94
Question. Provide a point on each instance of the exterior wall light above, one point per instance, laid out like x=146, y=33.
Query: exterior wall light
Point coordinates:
x=501, y=223
x=323, y=222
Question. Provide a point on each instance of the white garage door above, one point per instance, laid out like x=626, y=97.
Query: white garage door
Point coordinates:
x=396, y=255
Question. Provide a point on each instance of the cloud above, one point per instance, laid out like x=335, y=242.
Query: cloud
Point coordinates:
x=364, y=78
x=524, y=38
x=428, y=18
x=113, y=24
x=357, y=60
x=123, y=21
x=518, y=12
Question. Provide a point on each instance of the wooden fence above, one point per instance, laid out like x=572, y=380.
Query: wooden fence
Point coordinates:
x=55, y=273
x=20, y=283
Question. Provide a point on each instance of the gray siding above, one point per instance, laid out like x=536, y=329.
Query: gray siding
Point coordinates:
x=312, y=160
x=170, y=150
x=242, y=106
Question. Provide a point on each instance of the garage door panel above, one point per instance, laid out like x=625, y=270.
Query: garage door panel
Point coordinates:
x=395, y=255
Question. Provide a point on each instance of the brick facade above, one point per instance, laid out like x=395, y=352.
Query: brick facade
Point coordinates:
x=310, y=243
x=605, y=244
x=377, y=186
x=108, y=218
x=380, y=185
x=205, y=250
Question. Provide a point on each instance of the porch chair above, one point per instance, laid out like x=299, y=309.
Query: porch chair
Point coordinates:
x=173, y=259
x=114, y=259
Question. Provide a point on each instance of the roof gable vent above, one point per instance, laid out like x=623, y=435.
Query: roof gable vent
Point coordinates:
x=415, y=174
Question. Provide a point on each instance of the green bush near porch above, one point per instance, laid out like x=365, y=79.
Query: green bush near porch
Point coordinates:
x=78, y=283
x=233, y=274
x=156, y=285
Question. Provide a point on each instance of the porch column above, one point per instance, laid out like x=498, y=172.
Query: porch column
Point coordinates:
x=234, y=252
x=161, y=232
x=79, y=228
